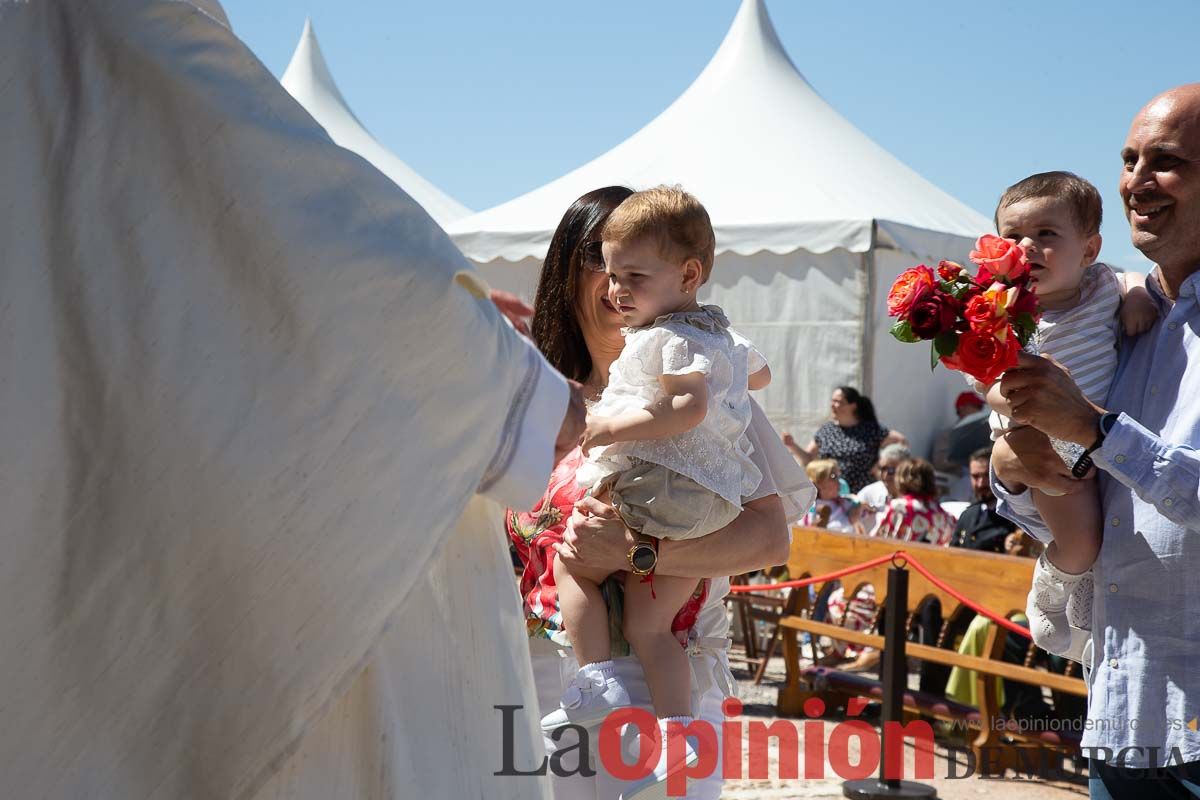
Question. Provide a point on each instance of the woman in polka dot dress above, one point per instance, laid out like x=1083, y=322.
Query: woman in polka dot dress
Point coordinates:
x=852, y=438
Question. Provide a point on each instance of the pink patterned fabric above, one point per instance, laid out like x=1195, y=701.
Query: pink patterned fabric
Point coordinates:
x=534, y=534
x=915, y=519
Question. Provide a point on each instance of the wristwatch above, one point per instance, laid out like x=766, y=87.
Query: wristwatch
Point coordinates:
x=1106, y=423
x=643, y=556
x=1084, y=462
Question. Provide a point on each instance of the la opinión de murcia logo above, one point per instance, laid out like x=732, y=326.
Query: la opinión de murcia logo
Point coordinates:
x=742, y=749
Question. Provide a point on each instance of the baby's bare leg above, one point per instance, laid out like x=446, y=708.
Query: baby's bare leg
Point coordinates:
x=647, y=627
x=1063, y=570
x=585, y=616
x=1074, y=520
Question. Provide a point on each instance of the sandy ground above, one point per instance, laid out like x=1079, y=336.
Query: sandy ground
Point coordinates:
x=760, y=706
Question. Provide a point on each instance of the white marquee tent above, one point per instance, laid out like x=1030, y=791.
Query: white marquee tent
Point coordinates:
x=813, y=221
x=309, y=81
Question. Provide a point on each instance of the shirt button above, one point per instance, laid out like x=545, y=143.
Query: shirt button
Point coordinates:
x=1154, y=389
x=1112, y=662
x=1112, y=587
x=1119, y=459
x=1115, y=521
x=1168, y=502
x=1173, y=325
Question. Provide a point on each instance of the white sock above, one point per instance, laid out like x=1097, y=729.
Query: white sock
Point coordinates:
x=605, y=668
x=1067, y=578
x=684, y=721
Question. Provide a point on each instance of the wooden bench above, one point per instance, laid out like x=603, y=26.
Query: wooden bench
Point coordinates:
x=750, y=608
x=996, y=582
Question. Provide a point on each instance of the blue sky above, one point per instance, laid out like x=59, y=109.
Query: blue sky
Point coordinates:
x=490, y=99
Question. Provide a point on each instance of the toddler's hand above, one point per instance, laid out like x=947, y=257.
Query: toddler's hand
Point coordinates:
x=789, y=440
x=597, y=433
x=997, y=401
x=1138, y=312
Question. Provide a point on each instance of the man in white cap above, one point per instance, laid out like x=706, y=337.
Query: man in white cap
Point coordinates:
x=253, y=400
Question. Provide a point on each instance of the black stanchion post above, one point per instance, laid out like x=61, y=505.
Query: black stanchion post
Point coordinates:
x=894, y=673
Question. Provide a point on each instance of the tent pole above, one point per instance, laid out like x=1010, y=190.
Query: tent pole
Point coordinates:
x=867, y=361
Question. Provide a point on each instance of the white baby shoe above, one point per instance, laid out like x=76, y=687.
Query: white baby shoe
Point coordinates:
x=589, y=698
x=654, y=785
x=1047, y=605
x=1079, y=617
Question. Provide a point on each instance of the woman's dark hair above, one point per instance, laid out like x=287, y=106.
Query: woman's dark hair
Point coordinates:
x=864, y=409
x=555, y=327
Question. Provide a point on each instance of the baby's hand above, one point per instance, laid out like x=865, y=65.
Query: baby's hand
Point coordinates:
x=597, y=433
x=997, y=401
x=1138, y=312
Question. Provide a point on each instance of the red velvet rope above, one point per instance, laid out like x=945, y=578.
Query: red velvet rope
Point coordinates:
x=908, y=559
x=1003, y=622
x=758, y=587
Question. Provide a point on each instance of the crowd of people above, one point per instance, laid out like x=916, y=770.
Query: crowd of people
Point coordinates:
x=906, y=501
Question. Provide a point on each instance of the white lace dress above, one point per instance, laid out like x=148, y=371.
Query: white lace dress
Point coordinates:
x=715, y=453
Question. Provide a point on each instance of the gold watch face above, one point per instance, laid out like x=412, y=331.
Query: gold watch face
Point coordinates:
x=643, y=558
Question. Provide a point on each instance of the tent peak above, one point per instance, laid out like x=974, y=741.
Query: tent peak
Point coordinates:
x=308, y=79
x=309, y=68
x=753, y=40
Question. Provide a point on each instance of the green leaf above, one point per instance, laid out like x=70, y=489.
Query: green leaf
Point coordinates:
x=946, y=343
x=903, y=331
x=1025, y=320
x=933, y=357
x=960, y=290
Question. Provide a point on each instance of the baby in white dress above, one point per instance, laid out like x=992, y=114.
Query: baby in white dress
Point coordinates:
x=666, y=446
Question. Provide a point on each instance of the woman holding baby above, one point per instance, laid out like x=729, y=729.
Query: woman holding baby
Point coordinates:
x=580, y=330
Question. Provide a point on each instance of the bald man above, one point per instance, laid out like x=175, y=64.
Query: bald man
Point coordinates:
x=1144, y=683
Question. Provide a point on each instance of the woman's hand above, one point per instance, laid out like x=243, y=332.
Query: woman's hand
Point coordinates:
x=596, y=539
x=802, y=454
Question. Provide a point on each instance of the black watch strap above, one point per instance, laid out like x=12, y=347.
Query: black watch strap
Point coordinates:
x=1084, y=462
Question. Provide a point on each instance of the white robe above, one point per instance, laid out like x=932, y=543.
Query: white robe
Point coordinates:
x=247, y=389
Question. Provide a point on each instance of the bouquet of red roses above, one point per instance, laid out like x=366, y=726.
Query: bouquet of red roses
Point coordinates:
x=976, y=325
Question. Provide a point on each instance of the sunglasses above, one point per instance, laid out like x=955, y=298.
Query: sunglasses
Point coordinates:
x=592, y=258
x=888, y=470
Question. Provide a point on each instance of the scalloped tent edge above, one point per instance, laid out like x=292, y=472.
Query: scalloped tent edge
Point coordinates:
x=813, y=220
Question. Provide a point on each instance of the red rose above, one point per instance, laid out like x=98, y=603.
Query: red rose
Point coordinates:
x=984, y=315
x=933, y=313
x=1026, y=302
x=983, y=356
x=999, y=257
x=949, y=270
x=905, y=291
